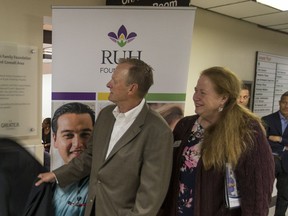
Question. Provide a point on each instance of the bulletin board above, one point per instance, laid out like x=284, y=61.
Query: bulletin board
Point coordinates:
x=18, y=90
x=271, y=79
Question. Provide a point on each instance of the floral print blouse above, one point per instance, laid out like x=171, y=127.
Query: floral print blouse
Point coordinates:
x=190, y=157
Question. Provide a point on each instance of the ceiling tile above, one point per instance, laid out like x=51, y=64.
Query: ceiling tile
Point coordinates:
x=247, y=10
x=244, y=9
x=283, y=26
x=270, y=19
x=212, y=3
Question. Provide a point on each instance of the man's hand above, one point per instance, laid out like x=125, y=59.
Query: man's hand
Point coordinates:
x=45, y=177
x=275, y=138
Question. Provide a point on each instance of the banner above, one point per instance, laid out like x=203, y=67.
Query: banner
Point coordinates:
x=271, y=76
x=157, y=3
x=88, y=41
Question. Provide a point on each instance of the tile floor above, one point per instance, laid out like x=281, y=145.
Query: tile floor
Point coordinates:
x=271, y=211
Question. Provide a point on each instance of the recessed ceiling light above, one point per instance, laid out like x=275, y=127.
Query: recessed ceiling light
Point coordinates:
x=278, y=4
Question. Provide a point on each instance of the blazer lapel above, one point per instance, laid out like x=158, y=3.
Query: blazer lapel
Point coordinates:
x=107, y=131
x=285, y=134
x=278, y=123
x=132, y=131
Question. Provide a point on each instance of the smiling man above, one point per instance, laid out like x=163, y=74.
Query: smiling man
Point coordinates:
x=72, y=126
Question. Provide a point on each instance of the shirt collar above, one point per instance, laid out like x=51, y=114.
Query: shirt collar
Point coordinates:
x=282, y=117
x=131, y=113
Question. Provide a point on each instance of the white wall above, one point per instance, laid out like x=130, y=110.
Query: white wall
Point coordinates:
x=46, y=96
x=223, y=41
x=21, y=22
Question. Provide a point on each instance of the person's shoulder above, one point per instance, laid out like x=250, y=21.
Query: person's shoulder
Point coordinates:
x=188, y=119
x=272, y=115
x=153, y=115
x=108, y=108
x=154, y=118
x=186, y=122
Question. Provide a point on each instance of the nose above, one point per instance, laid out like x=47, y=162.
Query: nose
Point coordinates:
x=76, y=142
x=195, y=96
x=108, y=85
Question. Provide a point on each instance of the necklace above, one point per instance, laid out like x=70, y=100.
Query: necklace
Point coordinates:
x=197, y=131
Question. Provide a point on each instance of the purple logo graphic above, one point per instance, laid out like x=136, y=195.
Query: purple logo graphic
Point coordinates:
x=121, y=38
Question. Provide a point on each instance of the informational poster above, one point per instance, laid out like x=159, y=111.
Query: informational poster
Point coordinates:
x=88, y=42
x=156, y=3
x=18, y=90
x=271, y=80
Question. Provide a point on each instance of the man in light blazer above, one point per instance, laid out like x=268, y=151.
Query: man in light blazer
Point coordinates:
x=129, y=157
x=277, y=134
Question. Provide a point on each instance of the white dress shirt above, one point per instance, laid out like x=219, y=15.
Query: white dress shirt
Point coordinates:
x=122, y=123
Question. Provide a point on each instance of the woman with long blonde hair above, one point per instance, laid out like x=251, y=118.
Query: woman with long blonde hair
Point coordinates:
x=221, y=133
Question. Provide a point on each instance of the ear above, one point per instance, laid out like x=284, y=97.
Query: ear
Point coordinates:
x=224, y=99
x=54, y=139
x=133, y=88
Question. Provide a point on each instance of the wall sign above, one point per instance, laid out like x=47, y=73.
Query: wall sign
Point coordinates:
x=18, y=90
x=271, y=78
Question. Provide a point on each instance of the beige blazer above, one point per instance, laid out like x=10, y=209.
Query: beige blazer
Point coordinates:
x=134, y=179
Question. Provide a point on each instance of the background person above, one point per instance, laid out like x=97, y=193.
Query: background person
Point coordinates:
x=46, y=134
x=46, y=141
x=130, y=155
x=244, y=96
x=205, y=142
x=18, y=170
x=277, y=134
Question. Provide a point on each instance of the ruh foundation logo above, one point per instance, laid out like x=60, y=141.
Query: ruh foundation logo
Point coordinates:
x=122, y=37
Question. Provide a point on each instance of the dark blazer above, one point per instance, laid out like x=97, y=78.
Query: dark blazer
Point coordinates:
x=134, y=179
x=273, y=126
x=18, y=170
x=40, y=201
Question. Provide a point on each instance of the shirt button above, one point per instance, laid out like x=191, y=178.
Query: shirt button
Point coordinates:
x=91, y=200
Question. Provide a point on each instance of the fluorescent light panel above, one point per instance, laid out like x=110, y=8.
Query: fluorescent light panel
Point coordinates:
x=278, y=4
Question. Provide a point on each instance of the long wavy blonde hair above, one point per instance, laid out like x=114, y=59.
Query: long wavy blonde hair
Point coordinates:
x=232, y=134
